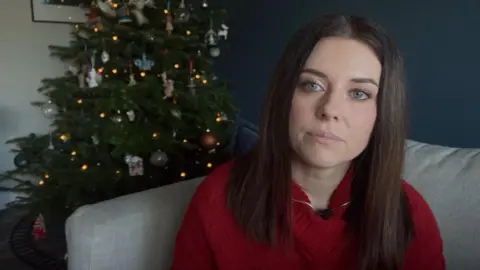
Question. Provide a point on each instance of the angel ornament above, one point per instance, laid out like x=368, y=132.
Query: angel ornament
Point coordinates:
x=168, y=86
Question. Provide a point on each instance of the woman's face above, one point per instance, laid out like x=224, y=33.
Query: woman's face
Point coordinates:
x=334, y=105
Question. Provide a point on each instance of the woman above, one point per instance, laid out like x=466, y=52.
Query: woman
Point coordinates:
x=322, y=189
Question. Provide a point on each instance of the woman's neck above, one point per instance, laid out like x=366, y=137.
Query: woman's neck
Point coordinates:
x=318, y=183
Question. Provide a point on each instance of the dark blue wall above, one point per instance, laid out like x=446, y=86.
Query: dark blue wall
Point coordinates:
x=440, y=41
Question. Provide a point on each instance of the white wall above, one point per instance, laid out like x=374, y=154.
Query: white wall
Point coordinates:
x=24, y=61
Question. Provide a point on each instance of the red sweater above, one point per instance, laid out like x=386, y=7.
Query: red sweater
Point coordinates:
x=210, y=238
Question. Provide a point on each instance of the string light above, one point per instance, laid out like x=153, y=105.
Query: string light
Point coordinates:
x=41, y=182
x=209, y=165
x=154, y=135
x=197, y=76
x=47, y=176
x=84, y=167
x=204, y=81
x=189, y=32
x=183, y=174
x=185, y=140
x=219, y=119
x=79, y=101
x=74, y=153
x=114, y=71
x=165, y=11
x=115, y=38
x=102, y=115
x=177, y=65
x=76, y=26
x=95, y=29
x=115, y=5
x=117, y=172
x=143, y=74
x=100, y=70
x=64, y=137
x=218, y=143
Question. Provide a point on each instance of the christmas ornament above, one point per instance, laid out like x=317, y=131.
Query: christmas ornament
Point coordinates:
x=73, y=69
x=208, y=140
x=214, y=51
x=211, y=37
x=168, y=86
x=135, y=165
x=131, y=115
x=107, y=8
x=159, y=158
x=138, y=10
x=105, y=57
x=144, y=63
x=182, y=15
x=95, y=139
x=39, y=230
x=117, y=119
x=21, y=160
x=50, y=143
x=223, y=32
x=140, y=4
x=49, y=110
x=94, y=78
x=132, y=81
x=125, y=15
x=191, y=80
x=204, y=4
x=168, y=23
x=176, y=113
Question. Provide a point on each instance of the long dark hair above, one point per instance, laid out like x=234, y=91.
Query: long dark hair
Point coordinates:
x=259, y=190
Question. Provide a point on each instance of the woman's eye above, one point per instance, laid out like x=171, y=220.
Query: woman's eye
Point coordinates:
x=312, y=86
x=359, y=94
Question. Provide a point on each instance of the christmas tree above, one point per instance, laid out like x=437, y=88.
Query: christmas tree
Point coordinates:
x=139, y=106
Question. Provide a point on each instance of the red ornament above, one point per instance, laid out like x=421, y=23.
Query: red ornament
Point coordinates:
x=39, y=231
x=208, y=141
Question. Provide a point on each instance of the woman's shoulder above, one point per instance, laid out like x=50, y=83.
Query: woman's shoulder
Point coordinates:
x=213, y=187
x=418, y=204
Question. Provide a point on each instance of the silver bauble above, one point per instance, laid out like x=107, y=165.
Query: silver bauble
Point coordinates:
x=159, y=158
x=49, y=110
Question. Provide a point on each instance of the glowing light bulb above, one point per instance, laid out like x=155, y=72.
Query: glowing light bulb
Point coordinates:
x=117, y=172
x=41, y=182
x=177, y=65
x=183, y=174
x=74, y=153
x=63, y=137
x=47, y=176
x=189, y=32
x=114, y=71
x=218, y=119
x=79, y=101
x=209, y=165
x=197, y=76
x=143, y=74
x=204, y=81
x=154, y=135
x=185, y=140
x=100, y=70
x=102, y=115
x=165, y=11
x=84, y=167
x=115, y=38
x=95, y=29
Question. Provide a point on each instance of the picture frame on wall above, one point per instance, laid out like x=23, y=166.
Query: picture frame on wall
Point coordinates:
x=59, y=11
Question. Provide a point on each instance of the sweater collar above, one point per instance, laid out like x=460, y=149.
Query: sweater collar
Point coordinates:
x=340, y=195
